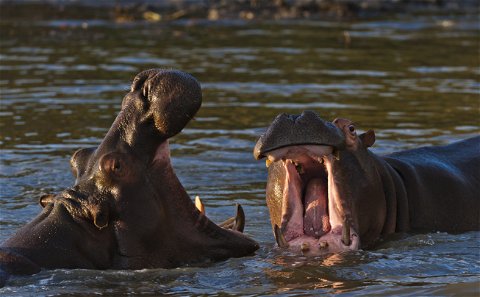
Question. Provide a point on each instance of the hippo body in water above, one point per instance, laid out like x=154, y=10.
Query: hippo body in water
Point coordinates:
x=327, y=192
x=127, y=208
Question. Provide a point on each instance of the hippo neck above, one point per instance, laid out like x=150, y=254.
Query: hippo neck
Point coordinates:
x=129, y=132
x=397, y=218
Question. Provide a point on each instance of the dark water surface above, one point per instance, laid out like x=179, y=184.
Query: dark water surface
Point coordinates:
x=415, y=80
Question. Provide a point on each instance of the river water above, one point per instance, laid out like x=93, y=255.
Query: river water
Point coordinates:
x=414, y=79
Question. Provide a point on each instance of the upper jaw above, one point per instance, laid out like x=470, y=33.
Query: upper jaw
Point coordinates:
x=306, y=128
x=315, y=219
x=300, y=153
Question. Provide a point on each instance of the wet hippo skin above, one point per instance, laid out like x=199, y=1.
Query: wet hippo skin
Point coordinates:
x=327, y=192
x=127, y=209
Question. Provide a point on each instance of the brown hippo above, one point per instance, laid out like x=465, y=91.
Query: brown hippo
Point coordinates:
x=327, y=192
x=127, y=208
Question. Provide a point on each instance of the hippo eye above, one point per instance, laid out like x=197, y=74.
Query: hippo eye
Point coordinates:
x=351, y=128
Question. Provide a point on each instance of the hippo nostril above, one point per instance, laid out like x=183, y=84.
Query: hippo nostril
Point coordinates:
x=140, y=79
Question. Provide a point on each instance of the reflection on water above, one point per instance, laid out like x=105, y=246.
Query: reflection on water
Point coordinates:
x=414, y=82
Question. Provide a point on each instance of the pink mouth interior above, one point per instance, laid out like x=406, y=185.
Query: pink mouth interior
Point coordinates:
x=312, y=211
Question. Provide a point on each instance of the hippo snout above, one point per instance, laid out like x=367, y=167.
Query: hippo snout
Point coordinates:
x=304, y=129
x=171, y=99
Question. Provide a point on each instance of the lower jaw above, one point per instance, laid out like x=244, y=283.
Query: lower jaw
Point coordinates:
x=327, y=244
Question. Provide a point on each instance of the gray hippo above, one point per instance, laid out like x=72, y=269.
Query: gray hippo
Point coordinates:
x=327, y=192
x=127, y=208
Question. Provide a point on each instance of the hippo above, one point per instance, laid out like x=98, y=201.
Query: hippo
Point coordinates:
x=328, y=193
x=127, y=208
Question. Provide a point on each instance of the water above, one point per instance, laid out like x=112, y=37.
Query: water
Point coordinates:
x=415, y=80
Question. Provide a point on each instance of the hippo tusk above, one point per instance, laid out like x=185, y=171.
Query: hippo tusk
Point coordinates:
x=268, y=162
x=346, y=233
x=199, y=205
x=336, y=154
x=239, y=219
x=281, y=241
x=237, y=222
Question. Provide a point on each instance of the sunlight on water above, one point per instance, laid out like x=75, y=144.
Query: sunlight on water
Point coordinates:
x=414, y=82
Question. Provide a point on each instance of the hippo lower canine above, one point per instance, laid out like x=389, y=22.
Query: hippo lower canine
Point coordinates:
x=327, y=192
x=127, y=208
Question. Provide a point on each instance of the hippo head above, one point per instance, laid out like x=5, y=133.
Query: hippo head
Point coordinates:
x=127, y=208
x=316, y=203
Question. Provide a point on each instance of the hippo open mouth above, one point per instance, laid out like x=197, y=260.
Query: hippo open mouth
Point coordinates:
x=314, y=217
x=127, y=208
x=307, y=210
x=155, y=222
x=328, y=193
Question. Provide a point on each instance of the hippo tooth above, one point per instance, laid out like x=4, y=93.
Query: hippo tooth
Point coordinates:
x=346, y=233
x=336, y=154
x=323, y=244
x=239, y=223
x=199, y=205
x=279, y=237
x=299, y=168
x=268, y=162
x=305, y=247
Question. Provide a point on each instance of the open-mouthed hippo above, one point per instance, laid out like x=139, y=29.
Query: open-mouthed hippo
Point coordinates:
x=127, y=208
x=327, y=192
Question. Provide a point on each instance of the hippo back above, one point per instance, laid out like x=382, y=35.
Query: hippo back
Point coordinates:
x=442, y=185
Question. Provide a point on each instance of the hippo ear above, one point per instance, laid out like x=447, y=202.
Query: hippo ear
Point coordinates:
x=79, y=160
x=46, y=199
x=368, y=138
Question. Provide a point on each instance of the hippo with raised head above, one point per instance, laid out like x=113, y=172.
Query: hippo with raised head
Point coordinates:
x=327, y=192
x=127, y=208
